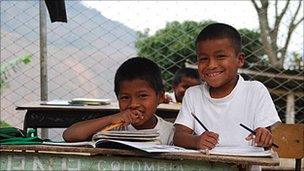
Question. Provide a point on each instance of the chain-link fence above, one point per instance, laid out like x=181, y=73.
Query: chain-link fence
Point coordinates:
x=83, y=55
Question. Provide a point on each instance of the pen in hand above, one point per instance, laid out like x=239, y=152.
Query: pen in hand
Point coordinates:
x=253, y=132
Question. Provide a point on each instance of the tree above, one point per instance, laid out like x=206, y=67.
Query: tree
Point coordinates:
x=269, y=34
x=173, y=45
x=251, y=46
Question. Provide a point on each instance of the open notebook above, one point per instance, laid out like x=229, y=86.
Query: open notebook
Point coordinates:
x=148, y=141
x=129, y=145
x=248, y=151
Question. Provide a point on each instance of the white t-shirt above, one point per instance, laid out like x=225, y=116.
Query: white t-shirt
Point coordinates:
x=249, y=103
x=166, y=130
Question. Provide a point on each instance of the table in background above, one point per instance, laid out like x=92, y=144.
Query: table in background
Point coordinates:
x=42, y=157
x=50, y=116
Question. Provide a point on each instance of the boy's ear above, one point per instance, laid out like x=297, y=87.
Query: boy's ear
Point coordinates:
x=241, y=59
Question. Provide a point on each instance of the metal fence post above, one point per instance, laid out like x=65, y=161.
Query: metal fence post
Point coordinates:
x=43, y=58
x=290, y=109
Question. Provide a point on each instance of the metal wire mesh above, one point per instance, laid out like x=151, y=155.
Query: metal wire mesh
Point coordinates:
x=84, y=54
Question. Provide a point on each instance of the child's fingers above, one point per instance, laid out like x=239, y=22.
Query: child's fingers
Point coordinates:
x=138, y=114
x=212, y=141
x=267, y=141
x=213, y=135
x=250, y=137
x=208, y=140
x=207, y=145
x=270, y=141
x=135, y=116
x=263, y=139
x=258, y=135
x=126, y=116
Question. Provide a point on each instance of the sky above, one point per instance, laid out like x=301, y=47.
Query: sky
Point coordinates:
x=139, y=15
x=154, y=14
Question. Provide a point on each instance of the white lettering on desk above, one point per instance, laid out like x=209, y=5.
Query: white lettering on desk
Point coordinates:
x=101, y=165
x=179, y=167
x=115, y=165
x=37, y=165
x=20, y=160
x=134, y=164
x=65, y=161
x=148, y=166
x=171, y=167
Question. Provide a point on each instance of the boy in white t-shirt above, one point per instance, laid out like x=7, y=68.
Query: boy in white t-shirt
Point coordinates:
x=139, y=90
x=224, y=100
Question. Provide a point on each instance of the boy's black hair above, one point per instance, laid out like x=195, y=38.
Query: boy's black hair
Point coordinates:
x=218, y=31
x=185, y=72
x=139, y=68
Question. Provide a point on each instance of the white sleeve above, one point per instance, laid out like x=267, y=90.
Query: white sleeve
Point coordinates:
x=265, y=114
x=184, y=116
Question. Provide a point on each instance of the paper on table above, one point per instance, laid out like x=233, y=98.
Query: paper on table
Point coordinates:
x=149, y=147
x=240, y=151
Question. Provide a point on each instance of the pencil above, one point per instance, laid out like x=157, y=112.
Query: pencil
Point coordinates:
x=253, y=132
x=112, y=126
x=199, y=122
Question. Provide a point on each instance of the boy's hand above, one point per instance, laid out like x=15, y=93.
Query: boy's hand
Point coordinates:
x=262, y=137
x=127, y=117
x=167, y=99
x=207, y=140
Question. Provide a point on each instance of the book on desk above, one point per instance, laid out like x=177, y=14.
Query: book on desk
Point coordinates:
x=143, y=140
x=249, y=151
x=148, y=141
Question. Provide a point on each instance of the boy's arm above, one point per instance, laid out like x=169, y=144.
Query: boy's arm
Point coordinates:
x=184, y=137
x=84, y=130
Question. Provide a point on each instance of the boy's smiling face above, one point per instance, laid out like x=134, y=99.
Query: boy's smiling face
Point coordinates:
x=138, y=95
x=218, y=63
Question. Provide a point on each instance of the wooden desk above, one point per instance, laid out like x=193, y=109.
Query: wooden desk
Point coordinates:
x=41, y=157
x=46, y=116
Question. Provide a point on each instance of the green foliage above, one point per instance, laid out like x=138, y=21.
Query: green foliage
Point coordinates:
x=252, y=47
x=173, y=45
x=4, y=124
x=11, y=65
x=4, y=72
